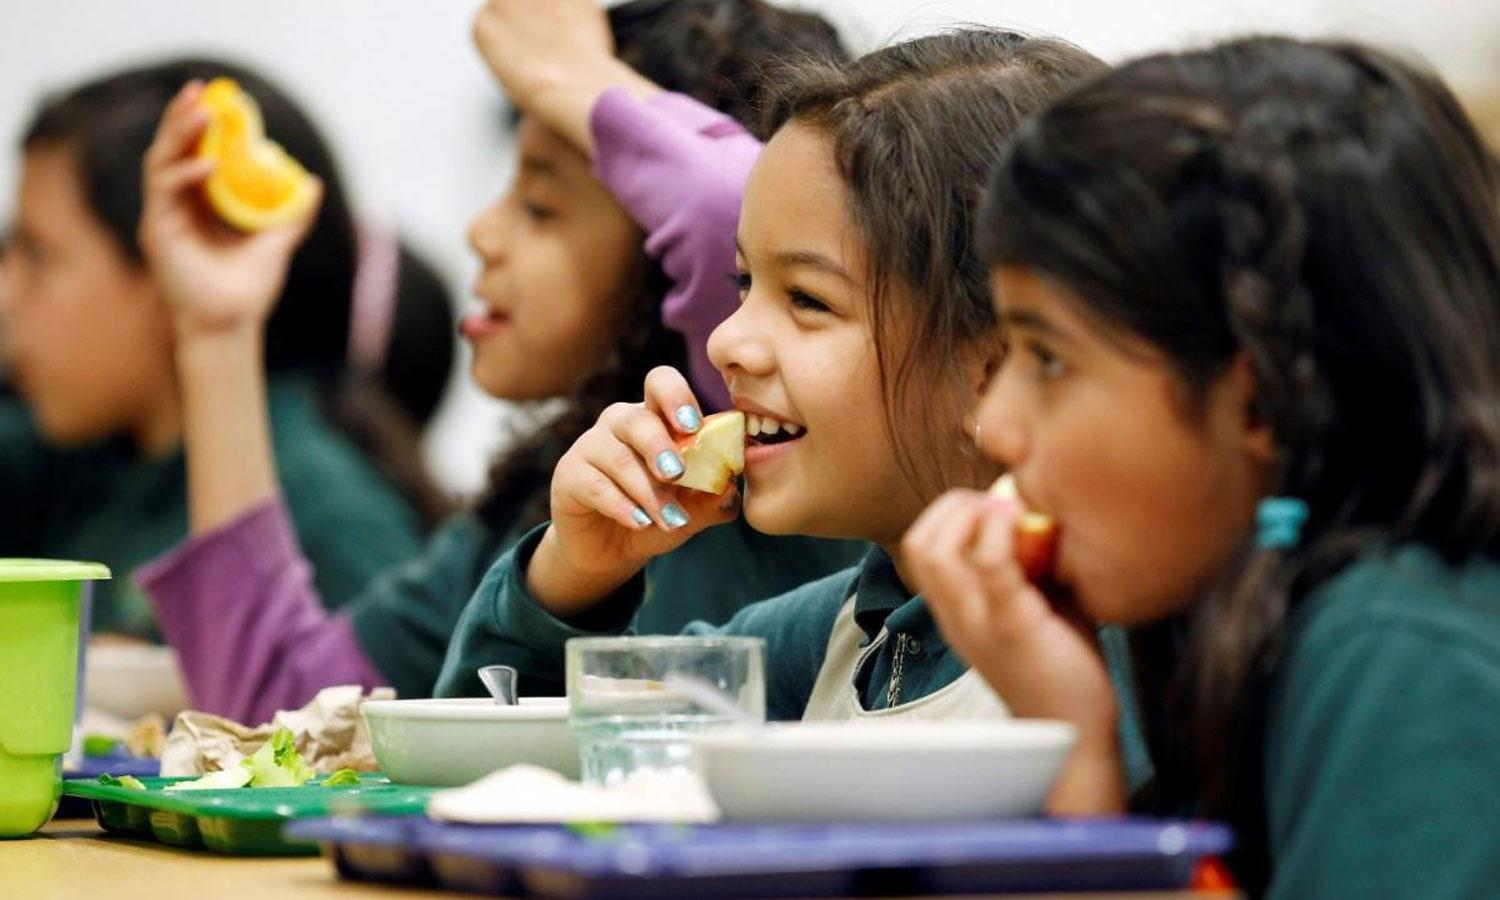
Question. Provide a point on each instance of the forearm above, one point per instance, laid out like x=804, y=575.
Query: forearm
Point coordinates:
x=505, y=623
x=1092, y=782
x=565, y=102
x=567, y=590
x=239, y=606
x=226, y=425
x=679, y=169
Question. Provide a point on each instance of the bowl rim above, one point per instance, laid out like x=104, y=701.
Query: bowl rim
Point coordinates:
x=894, y=737
x=665, y=642
x=467, y=709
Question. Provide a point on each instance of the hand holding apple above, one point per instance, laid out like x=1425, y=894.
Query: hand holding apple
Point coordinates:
x=636, y=485
x=963, y=554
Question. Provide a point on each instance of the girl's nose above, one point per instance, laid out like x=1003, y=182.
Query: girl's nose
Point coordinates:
x=488, y=233
x=739, y=345
x=1004, y=435
x=9, y=289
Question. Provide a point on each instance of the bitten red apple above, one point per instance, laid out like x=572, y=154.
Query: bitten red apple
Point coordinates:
x=715, y=454
x=1035, y=536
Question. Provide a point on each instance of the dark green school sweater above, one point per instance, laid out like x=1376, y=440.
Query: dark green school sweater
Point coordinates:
x=1382, y=747
x=105, y=503
x=717, y=576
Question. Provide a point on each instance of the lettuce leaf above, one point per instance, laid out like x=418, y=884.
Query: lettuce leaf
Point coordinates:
x=125, y=781
x=228, y=779
x=99, y=744
x=342, y=778
x=277, y=763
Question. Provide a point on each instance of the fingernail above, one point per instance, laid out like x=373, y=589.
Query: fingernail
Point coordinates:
x=673, y=515
x=688, y=418
x=641, y=517
x=669, y=463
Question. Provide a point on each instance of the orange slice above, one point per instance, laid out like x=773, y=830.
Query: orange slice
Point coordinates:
x=255, y=184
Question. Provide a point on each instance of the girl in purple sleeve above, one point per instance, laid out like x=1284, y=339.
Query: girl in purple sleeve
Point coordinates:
x=608, y=256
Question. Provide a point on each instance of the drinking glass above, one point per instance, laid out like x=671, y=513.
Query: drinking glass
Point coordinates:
x=625, y=716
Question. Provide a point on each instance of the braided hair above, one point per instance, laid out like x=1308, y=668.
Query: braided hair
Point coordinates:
x=718, y=52
x=1325, y=212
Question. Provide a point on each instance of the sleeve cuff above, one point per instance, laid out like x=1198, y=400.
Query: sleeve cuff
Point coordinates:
x=517, y=613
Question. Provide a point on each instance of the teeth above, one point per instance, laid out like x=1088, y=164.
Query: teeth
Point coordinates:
x=756, y=425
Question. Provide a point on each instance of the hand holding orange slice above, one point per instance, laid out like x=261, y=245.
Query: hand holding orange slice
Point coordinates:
x=1035, y=534
x=255, y=184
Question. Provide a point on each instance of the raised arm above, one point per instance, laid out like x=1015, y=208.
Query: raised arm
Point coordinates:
x=676, y=166
x=221, y=285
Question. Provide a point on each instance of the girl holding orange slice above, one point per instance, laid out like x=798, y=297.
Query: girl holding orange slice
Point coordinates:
x=91, y=452
x=608, y=256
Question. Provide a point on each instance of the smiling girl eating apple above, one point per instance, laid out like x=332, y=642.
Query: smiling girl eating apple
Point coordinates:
x=1252, y=296
x=862, y=341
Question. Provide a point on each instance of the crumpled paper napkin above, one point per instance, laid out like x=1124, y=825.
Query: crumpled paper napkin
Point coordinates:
x=330, y=734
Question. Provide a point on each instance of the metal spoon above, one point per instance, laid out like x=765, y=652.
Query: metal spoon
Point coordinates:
x=501, y=682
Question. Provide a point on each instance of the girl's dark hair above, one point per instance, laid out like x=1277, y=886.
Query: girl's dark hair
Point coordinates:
x=419, y=352
x=109, y=122
x=720, y=52
x=915, y=129
x=107, y=125
x=1326, y=212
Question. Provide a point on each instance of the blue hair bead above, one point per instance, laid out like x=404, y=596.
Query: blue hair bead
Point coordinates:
x=1278, y=522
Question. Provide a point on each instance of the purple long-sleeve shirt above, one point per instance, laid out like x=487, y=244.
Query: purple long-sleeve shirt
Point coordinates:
x=238, y=603
x=679, y=168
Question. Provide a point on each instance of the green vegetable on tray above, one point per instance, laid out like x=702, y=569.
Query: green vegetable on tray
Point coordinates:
x=276, y=764
x=99, y=744
x=342, y=778
x=125, y=781
x=595, y=831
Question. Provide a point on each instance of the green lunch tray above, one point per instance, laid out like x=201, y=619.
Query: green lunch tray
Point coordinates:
x=244, y=821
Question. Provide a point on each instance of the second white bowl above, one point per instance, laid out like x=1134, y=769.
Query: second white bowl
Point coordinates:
x=446, y=743
x=883, y=771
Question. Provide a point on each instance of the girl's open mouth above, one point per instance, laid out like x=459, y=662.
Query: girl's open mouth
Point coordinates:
x=482, y=324
x=765, y=431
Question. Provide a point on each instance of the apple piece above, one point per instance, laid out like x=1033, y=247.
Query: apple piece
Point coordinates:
x=1035, y=534
x=715, y=454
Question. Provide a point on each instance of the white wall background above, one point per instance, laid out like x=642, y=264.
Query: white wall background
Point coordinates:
x=413, y=116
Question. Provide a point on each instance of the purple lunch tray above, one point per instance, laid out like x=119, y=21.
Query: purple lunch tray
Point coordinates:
x=729, y=861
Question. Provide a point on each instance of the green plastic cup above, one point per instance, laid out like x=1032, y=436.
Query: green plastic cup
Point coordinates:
x=39, y=620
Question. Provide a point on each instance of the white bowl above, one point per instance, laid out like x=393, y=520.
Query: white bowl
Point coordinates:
x=133, y=680
x=883, y=771
x=446, y=743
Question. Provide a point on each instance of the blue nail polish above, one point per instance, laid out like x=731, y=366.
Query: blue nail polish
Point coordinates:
x=641, y=517
x=669, y=464
x=688, y=418
x=673, y=515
